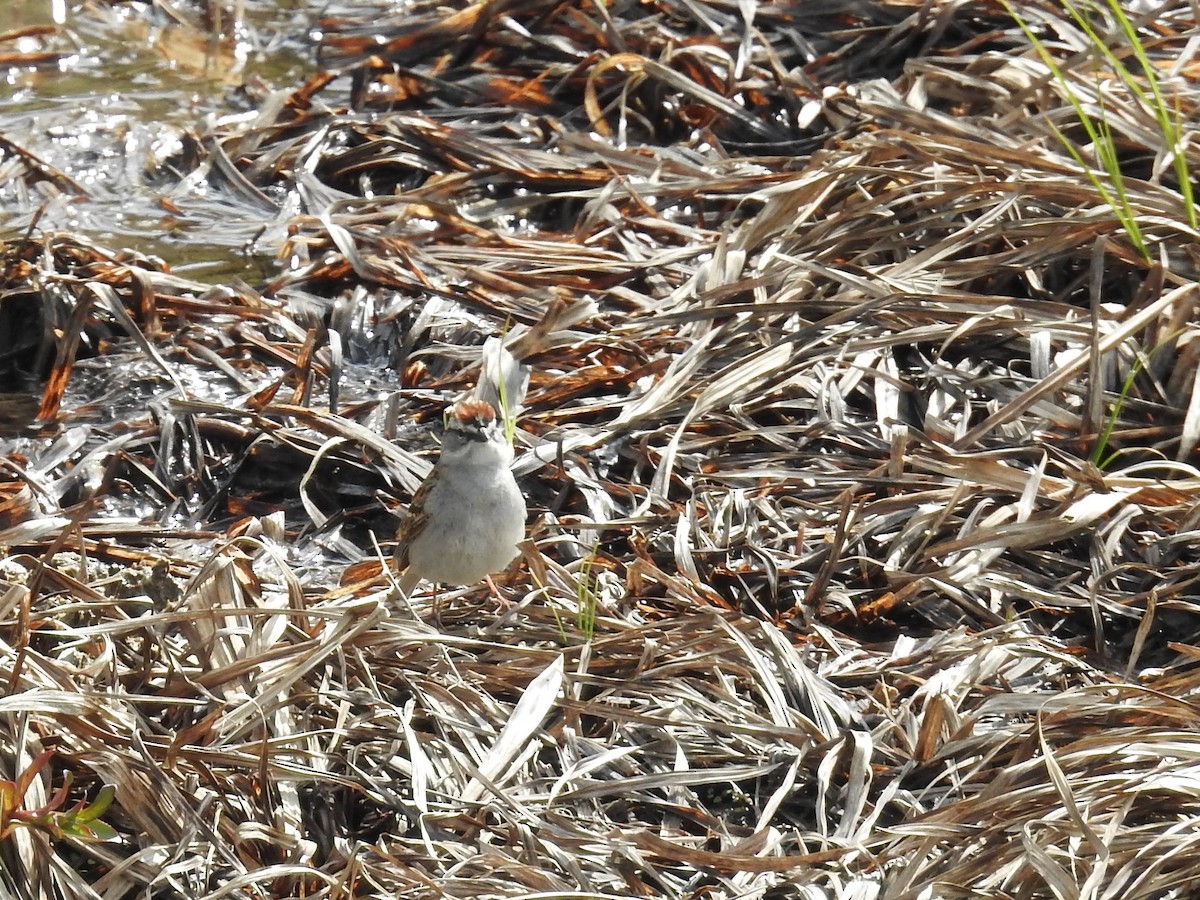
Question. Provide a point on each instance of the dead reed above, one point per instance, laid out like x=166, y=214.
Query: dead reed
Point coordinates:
x=861, y=438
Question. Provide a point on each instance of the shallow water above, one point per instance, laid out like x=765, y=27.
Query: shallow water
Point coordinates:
x=111, y=99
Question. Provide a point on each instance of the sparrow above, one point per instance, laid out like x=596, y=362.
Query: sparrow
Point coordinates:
x=468, y=516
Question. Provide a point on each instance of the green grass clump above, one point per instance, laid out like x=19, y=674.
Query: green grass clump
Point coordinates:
x=1104, y=170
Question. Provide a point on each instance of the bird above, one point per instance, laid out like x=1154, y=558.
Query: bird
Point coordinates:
x=468, y=516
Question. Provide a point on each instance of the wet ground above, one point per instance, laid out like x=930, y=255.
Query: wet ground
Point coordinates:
x=111, y=97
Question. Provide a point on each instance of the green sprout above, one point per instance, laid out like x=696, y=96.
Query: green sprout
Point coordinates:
x=82, y=820
x=587, y=600
x=1111, y=184
x=587, y=596
x=510, y=420
x=1168, y=117
x=1141, y=361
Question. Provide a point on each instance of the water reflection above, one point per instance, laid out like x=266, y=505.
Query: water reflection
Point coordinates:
x=103, y=110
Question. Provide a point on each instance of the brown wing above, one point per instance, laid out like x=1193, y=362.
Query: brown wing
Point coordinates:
x=414, y=521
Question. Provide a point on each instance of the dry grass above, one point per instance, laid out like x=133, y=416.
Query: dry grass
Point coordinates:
x=856, y=421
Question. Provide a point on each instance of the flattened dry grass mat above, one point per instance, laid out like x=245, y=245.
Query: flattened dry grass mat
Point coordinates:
x=860, y=447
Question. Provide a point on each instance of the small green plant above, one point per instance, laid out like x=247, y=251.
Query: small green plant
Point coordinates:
x=1111, y=184
x=587, y=600
x=503, y=369
x=1100, y=457
x=587, y=597
x=82, y=820
x=1168, y=117
x=510, y=420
